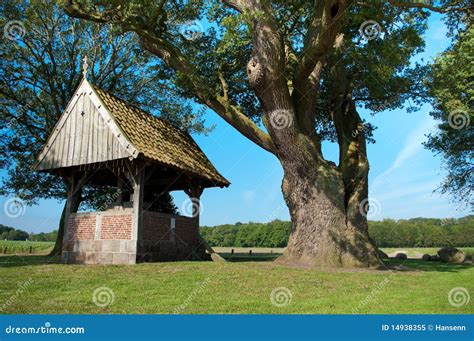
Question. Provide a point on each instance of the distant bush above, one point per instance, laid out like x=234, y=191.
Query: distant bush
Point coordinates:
x=44, y=237
x=423, y=232
x=417, y=232
x=273, y=234
x=10, y=233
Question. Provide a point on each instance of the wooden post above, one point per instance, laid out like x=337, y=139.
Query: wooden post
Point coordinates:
x=194, y=192
x=138, y=182
x=74, y=191
x=73, y=186
x=119, y=200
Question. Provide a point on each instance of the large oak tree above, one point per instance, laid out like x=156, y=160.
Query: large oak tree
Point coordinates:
x=287, y=75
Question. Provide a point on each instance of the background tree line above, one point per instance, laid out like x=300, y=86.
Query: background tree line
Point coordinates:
x=416, y=232
x=10, y=233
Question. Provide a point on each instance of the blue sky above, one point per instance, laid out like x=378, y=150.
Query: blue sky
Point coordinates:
x=403, y=175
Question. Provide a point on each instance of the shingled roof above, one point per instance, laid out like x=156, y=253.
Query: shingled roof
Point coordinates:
x=99, y=127
x=159, y=140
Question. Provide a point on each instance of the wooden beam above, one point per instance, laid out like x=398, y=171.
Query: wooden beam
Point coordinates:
x=73, y=186
x=150, y=172
x=194, y=192
x=138, y=190
x=194, y=189
x=119, y=200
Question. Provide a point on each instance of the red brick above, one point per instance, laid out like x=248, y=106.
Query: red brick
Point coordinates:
x=81, y=227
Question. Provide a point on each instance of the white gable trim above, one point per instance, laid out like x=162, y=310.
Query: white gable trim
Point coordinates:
x=84, y=89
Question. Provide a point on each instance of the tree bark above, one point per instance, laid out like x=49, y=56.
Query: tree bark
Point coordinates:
x=322, y=233
x=58, y=245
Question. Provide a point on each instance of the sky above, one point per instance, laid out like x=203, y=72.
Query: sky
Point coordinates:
x=402, y=179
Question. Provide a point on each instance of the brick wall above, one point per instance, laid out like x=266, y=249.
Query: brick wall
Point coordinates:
x=116, y=227
x=157, y=226
x=112, y=242
x=81, y=227
x=187, y=229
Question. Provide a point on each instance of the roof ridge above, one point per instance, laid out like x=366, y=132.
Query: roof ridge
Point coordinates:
x=127, y=103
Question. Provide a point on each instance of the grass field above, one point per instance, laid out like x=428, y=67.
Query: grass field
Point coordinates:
x=19, y=246
x=413, y=252
x=39, y=284
x=243, y=253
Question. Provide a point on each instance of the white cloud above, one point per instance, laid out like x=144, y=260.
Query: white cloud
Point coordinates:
x=412, y=146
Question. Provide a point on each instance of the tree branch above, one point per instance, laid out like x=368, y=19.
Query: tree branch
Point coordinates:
x=225, y=86
x=173, y=57
x=422, y=5
x=238, y=5
x=321, y=36
x=221, y=105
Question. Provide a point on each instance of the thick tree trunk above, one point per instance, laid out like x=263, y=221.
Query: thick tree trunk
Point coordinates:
x=327, y=203
x=322, y=235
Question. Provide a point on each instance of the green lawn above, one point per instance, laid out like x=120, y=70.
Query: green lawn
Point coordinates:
x=38, y=284
x=411, y=252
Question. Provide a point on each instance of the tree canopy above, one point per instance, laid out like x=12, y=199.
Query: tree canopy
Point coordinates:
x=451, y=87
